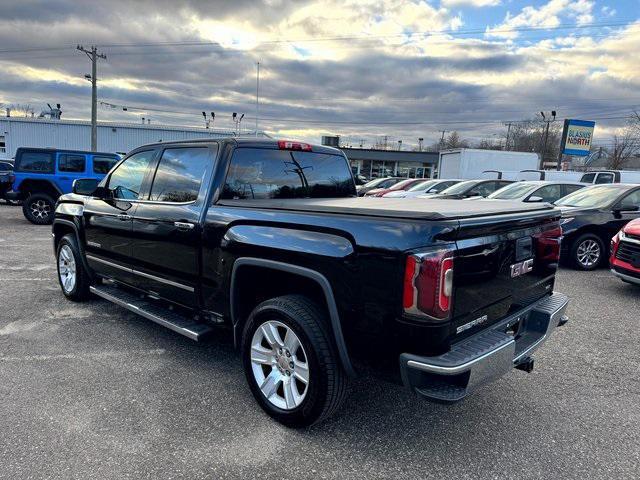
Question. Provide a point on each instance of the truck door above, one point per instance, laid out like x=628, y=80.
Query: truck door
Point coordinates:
x=69, y=167
x=108, y=221
x=166, y=226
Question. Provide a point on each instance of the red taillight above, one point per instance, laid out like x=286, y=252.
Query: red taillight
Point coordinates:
x=289, y=145
x=428, y=284
x=548, y=245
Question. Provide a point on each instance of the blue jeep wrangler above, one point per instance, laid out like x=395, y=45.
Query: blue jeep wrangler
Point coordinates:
x=41, y=175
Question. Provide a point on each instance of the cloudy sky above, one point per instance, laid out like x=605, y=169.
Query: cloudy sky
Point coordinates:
x=362, y=69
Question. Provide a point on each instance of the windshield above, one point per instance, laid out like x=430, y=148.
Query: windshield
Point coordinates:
x=515, y=190
x=422, y=186
x=375, y=182
x=599, y=196
x=459, y=187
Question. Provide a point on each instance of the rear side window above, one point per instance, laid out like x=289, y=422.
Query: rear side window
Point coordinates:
x=103, y=164
x=179, y=174
x=41, y=162
x=71, y=163
x=126, y=180
x=549, y=193
x=263, y=173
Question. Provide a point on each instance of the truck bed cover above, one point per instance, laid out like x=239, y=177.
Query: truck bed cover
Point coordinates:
x=409, y=208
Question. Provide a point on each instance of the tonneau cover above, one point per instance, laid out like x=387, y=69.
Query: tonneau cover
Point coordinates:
x=412, y=208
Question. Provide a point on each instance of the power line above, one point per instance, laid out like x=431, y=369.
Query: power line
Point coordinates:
x=449, y=32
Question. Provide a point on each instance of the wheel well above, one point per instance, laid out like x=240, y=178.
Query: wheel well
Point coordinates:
x=593, y=231
x=29, y=187
x=59, y=231
x=253, y=285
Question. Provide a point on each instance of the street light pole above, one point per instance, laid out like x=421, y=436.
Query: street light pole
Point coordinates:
x=93, y=56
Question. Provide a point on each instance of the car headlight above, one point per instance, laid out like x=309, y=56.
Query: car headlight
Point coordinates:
x=73, y=209
x=564, y=221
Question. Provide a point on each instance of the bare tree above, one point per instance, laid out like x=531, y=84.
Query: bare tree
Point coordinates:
x=624, y=147
x=25, y=109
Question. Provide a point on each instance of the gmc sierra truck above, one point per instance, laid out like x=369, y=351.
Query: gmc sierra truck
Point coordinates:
x=269, y=240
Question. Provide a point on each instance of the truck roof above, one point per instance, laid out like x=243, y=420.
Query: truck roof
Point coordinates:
x=65, y=150
x=409, y=208
x=247, y=142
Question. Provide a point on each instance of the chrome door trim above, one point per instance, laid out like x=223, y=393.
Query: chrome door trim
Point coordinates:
x=142, y=274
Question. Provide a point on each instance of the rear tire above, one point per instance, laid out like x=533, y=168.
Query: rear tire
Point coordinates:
x=291, y=363
x=38, y=208
x=587, y=252
x=72, y=277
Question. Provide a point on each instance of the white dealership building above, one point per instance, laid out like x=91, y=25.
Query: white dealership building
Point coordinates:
x=113, y=137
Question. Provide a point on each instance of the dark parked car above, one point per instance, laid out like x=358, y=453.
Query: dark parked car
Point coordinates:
x=385, y=182
x=268, y=240
x=6, y=178
x=469, y=189
x=41, y=175
x=591, y=217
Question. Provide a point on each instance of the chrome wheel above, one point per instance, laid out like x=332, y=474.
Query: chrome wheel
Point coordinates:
x=280, y=365
x=40, y=209
x=67, y=268
x=588, y=253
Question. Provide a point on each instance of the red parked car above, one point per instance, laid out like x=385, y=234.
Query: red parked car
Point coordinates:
x=625, y=253
x=402, y=185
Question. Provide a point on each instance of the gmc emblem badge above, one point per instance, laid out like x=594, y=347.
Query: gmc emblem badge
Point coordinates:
x=521, y=268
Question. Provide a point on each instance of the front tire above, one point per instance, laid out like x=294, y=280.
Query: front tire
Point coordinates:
x=38, y=208
x=290, y=361
x=587, y=252
x=72, y=277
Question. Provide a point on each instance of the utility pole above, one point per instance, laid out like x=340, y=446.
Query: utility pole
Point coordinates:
x=442, y=138
x=547, y=121
x=506, y=142
x=93, y=56
x=257, y=94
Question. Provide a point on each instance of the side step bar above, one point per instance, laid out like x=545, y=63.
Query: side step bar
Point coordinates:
x=154, y=312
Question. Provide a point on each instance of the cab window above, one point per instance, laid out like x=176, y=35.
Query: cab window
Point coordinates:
x=103, y=164
x=71, y=163
x=588, y=177
x=605, y=178
x=179, y=174
x=256, y=173
x=126, y=180
x=41, y=162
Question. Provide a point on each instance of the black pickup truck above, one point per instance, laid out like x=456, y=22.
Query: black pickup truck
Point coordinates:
x=268, y=239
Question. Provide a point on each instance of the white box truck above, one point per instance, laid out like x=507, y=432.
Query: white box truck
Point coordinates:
x=471, y=163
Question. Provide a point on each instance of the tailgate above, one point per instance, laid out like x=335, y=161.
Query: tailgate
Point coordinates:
x=502, y=264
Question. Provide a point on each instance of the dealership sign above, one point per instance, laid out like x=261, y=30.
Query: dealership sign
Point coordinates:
x=576, y=137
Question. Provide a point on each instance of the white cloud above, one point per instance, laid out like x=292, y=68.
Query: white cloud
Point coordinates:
x=471, y=3
x=547, y=15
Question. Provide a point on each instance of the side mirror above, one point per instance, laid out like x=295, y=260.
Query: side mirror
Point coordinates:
x=535, y=198
x=85, y=186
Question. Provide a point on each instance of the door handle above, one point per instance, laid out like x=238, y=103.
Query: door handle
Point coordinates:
x=124, y=217
x=184, y=225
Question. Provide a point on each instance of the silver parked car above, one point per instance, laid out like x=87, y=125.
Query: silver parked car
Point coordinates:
x=536, y=191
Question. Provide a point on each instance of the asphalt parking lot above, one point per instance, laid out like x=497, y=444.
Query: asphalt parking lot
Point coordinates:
x=92, y=391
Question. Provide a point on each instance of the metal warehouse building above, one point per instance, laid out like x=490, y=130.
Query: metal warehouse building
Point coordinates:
x=76, y=135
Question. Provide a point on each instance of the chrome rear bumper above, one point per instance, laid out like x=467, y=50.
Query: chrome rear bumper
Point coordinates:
x=486, y=355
